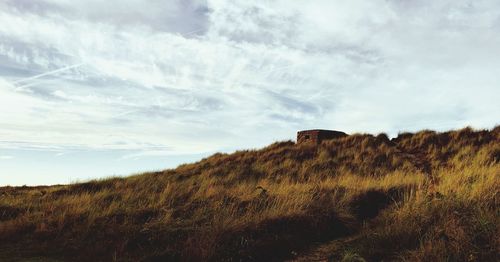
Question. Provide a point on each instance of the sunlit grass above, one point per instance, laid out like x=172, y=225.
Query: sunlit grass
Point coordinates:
x=437, y=194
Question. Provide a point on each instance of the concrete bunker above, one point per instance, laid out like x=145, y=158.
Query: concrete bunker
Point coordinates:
x=316, y=136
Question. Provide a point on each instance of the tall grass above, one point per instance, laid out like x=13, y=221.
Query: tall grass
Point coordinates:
x=426, y=196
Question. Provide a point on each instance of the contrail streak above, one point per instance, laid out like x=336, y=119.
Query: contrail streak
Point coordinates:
x=47, y=73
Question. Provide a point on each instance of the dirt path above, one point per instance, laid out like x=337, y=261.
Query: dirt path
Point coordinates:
x=329, y=251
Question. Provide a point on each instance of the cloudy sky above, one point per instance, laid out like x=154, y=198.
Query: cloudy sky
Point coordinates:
x=99, y=88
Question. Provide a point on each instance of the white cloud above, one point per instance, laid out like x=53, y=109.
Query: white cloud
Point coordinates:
x=247, y=74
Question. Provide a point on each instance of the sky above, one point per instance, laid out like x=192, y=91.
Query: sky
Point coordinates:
x=92, y=89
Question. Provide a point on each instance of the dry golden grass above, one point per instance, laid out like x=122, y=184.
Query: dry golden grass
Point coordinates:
x=420, y=197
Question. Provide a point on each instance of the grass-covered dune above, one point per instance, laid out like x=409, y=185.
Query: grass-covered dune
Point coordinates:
x=426, y=196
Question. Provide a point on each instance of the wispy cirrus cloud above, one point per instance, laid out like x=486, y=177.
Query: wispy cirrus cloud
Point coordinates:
x=6, y=157
x=178, y=77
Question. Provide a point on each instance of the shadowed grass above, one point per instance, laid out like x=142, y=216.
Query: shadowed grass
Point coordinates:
x=426, y=196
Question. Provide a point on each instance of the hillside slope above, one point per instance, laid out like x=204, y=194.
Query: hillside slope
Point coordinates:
x=421, y=197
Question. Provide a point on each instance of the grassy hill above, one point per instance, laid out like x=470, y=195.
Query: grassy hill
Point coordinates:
x=426, y=196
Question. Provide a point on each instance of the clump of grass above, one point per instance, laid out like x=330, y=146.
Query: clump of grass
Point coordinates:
x=426, y=196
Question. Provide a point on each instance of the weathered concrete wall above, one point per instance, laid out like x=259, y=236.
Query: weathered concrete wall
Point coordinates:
x=316, y=136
